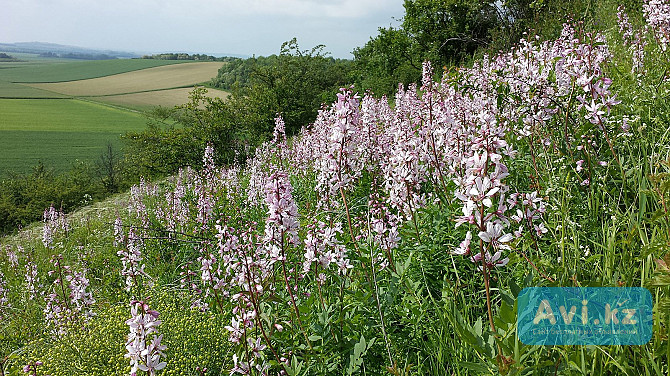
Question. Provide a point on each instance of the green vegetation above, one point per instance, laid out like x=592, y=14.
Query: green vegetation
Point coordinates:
x=71, y=71
x=76, y=56
x=257, y=233
x=450, y=32
x=68, y=151
x=185, y=56
x=26, y=59
x=57, y=132
x=24, y=197
x=294, y=83
x=6, y=57
x=18, y=91
x=198, y=341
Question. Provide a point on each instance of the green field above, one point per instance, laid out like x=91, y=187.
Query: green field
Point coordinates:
x=156, y=78
x=43, y=122
x=51, y=71
x=12, y=90
x=58, y=132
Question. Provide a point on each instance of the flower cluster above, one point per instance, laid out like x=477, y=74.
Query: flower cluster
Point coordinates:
x=203, y=189
x=54, y=220
x=31, y=368
x=657, y=15
x=132, y=261
x=119, y=233
x=282, y=221
x=80, y=297
x=481, y=189
x=12, y=257
x=405, y=169
x=5, y=304
x=625, y=28
x=530, y=209
x=323, y=247
x=32, y=280
x=69, y=301
x=383, y=229
x=244, y=269
x=136, y=203
x=340, y=153
x=144, y=348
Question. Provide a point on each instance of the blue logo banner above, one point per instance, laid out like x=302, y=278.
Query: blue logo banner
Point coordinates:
x=584, y=316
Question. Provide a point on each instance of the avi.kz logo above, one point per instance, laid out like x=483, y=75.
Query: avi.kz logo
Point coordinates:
x=585, y=316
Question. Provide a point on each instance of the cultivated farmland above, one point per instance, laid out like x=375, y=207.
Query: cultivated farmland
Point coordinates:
x=51, y=70
x=13, y=90
x=149, y=99
x=166, y=77
x=46, y=122
x=58, y=132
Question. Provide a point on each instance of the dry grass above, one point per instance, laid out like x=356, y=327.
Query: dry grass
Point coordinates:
x=165, y=98
x=165, y=77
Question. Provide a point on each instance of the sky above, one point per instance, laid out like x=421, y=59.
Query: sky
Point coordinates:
x=244, y=27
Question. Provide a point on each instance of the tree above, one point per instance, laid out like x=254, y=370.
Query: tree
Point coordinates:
x=107, y=169
x=294, y=84
x=386, y=60
x=448, y=31
x=445, y=32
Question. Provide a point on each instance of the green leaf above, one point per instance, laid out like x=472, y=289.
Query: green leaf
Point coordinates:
x=479, y=368
x=356, y=358
x=514, y=288
x=507, y=313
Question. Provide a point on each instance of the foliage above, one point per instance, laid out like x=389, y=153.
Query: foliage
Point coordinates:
x=388, y=236
x=23, y=198
x=185, y=56
x=173, y=134
x=6, y=57
x=294, y=83
x=451, y=32
x=386, y=60
x=445, y=32
x=194, y=340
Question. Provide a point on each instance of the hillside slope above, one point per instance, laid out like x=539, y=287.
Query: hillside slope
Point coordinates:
x=389, y=236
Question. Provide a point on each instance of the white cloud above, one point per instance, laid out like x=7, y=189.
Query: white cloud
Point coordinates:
x=214, y=26
x=310, y=8
x=343, y=9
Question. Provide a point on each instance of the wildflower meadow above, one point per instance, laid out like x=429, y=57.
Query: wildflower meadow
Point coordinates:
x=390, y=236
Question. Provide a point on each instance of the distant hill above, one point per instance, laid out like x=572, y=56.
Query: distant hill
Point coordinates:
x=63, y=51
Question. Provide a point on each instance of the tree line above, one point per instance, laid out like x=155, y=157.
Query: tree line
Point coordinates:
x=185, y=56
